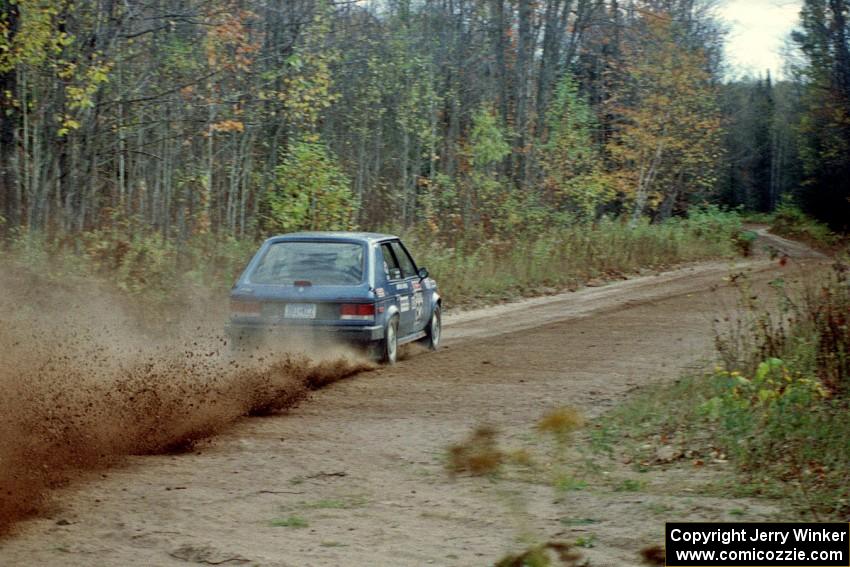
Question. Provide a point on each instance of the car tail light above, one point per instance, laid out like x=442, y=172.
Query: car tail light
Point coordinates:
x=357, y=311
x=239, y=308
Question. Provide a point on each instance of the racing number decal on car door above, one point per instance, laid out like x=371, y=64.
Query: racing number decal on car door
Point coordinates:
x=418, y=306
x=418, y=302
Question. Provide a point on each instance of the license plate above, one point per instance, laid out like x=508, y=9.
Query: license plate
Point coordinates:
x=300, y=311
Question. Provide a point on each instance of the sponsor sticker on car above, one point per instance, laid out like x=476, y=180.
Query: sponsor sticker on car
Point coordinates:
x=418, y=305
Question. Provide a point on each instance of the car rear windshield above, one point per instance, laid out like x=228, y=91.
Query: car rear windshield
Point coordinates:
x=320, y=263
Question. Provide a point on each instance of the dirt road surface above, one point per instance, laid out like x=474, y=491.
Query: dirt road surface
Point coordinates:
x=356, y=475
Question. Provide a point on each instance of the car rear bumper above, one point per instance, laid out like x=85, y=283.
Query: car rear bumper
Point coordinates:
x=345, y=333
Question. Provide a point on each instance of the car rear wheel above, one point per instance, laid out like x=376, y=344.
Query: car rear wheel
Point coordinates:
x=388, y=348
x=434, y=330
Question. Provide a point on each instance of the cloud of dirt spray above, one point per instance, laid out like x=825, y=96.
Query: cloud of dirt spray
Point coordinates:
x=82, y=383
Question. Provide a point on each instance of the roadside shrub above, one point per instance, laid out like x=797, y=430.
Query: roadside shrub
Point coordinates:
x=785, y=437
x=786, y=432
x=772, y=402
x=789, y=221
x=476, y=272
x=713, y=222
x=810, y=329
x=778, y=405
x=311, y=191
x=162, y=271
x=744, y=242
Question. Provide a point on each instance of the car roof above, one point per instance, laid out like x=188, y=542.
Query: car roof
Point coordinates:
x=340, y=236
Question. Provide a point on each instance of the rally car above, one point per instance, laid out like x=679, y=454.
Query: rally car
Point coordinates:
x=361, y=288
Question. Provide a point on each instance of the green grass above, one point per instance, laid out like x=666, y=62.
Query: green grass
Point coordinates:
x=654, y=411
x=290, y=522
x=659, y=508
x=499, y=270
x=629, y=485
x=567, y=483
x=587, y=541
x=335, y=504
x=165, y=274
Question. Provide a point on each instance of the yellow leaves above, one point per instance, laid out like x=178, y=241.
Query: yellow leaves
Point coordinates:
x=230, y=44
x=307, y=78
x=77, y=95
x=80, y=95
x=68, y=124
x=99, y=73
x=670, y=122
x=67, y=70
x=228, y=126
x=307, y=89
x=36, y=37
x=772, y=382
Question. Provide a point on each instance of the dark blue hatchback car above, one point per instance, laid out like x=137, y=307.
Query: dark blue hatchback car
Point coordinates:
x=362, y=288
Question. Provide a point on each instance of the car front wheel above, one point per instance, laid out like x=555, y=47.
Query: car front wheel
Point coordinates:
x=434, y=329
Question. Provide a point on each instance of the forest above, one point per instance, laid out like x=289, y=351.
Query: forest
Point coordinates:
x=235, y=119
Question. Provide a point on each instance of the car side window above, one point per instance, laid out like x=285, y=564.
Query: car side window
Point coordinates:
x=391, y=269
x=408, y=268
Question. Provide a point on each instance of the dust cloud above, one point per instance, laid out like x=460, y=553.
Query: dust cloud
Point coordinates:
x=86, y=379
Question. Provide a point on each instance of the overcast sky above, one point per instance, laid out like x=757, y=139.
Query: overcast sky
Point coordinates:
x=757, y=32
